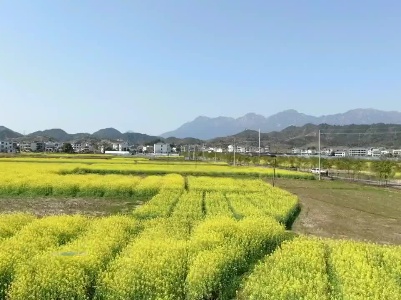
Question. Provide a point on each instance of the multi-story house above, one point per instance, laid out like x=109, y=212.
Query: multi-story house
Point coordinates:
x=340, y=153
x=7, y=147
x=53, y=146
x=358, y=152
x=397, y=152
x=38, y=146
x=120, y=146
x=161, y=148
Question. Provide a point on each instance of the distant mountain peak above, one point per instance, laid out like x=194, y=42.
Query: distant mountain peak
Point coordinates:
x=207, y=128
x=6, y=133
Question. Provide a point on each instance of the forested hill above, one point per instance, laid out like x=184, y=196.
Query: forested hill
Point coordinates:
x=375, y=135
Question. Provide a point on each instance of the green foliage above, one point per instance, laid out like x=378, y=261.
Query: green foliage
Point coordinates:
x=384, y=169
x=67, y=148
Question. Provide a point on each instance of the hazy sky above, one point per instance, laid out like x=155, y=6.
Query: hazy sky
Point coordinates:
x=149, y=66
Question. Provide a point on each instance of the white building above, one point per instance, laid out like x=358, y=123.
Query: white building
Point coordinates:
x=296, y=151
x=120, y=146
x=240, y=149
x=326, y=151
x=340, y=153
x=53, y=146
x=25, y=147
x=374, y=152
x=123, y=153
x=161, y=148
x=38, y=147
x=82, y=147
x=230, y=148
x=358, y=152
x=7, y=147
x=384, y=152
x=397, y=152
x=308, y=152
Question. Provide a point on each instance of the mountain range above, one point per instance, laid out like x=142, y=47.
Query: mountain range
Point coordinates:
x=207, y=128
x=61, y=136
x=288, y=128
x=373, y=135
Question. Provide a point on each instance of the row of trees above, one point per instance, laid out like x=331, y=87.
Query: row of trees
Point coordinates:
x=353, y=168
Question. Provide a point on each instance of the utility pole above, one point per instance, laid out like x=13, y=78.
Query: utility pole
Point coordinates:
x=234, y=151
x=259, y=145
x=319, y=155
x=274, y=171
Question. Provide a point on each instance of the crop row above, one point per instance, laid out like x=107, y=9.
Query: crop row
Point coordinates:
x=184, y=169
x=308, y=268
x=160, y=255
x=44, y=181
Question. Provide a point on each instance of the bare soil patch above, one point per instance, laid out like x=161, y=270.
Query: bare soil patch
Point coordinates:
x=346, y=210
x=56, y=206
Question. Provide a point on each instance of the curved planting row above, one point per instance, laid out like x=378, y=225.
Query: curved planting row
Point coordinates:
x=308, y=268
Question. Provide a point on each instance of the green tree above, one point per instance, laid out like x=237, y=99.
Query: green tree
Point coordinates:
x=313, y=162
x=303, y=163
x=348, y=165
x=67, y=148
x=384, y=169
x=325, y=163
x=357, y=167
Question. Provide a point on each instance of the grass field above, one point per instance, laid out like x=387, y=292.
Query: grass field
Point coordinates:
x=347, y=210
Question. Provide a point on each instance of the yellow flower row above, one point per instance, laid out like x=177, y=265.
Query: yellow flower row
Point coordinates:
x=32, y=239
x=310, y=268
x=12, y=223
x=70, y=271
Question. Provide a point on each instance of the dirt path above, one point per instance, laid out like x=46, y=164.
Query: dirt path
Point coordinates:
x=55, y=206
x=347, y=210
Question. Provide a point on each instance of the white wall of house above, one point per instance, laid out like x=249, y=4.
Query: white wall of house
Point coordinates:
x=161, y=148
x=7, y=147
x=117, y=152
x=340, y=153
x=358, y=152
x=123, y=146
x=240, y=149
x=374, y=152
x=397, y=152
x=37, y=146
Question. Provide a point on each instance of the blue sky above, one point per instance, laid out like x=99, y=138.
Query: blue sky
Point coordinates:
x=149, y=66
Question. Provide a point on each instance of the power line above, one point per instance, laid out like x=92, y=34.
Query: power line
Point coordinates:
x=368, y=133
